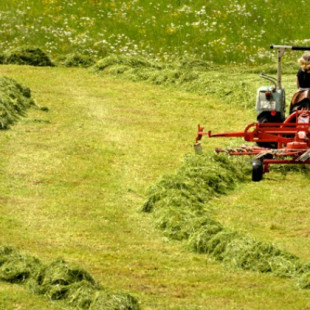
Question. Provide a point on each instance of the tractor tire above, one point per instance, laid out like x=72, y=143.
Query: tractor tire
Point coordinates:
x=257, y=170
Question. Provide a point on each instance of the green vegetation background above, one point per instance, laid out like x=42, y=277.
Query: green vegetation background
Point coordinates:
x=222, y=31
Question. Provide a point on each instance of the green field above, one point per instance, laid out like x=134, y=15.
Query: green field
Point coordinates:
x=222, y=31
x=75, y=179
x=98, y=146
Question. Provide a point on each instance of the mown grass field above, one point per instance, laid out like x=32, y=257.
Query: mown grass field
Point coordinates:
x=75, y=177
x=74, y=180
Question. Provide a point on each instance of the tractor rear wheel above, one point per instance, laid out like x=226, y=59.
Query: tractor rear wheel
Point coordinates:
x=257, y=170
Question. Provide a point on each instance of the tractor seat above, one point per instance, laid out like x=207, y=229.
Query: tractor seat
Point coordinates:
x=300, y=100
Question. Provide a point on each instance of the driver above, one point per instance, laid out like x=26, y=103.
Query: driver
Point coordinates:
x=301, y=99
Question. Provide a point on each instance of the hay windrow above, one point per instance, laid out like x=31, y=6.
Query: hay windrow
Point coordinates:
x=77, y=60
x=199, y=180
x=304, y=281
x=27, y=56
x=249, y=254
x=180, y=205
x=179, y=201
x=130, y=61
x=190, y=75
x=14, y=101
x=108, y=301
x=5, y=253
x=19, y=269
x=61, y=281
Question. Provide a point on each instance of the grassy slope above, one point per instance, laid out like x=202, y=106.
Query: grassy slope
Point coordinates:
x=74, y=180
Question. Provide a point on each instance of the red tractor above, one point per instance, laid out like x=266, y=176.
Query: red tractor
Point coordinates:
x=278, y=140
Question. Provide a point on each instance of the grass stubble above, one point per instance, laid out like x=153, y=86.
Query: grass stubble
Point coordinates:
x=45, y=176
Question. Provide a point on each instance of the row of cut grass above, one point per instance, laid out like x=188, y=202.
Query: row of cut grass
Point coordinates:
x=60, y=281
x=180, y=206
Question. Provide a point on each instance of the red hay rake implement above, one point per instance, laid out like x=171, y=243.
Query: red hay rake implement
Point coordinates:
x=291, y=138
x=279, y=140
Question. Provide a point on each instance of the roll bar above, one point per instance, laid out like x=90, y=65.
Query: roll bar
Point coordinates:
x=281, y=50
x=296, y=48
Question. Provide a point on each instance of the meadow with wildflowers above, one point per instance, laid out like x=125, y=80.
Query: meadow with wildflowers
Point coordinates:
x=220, y=31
